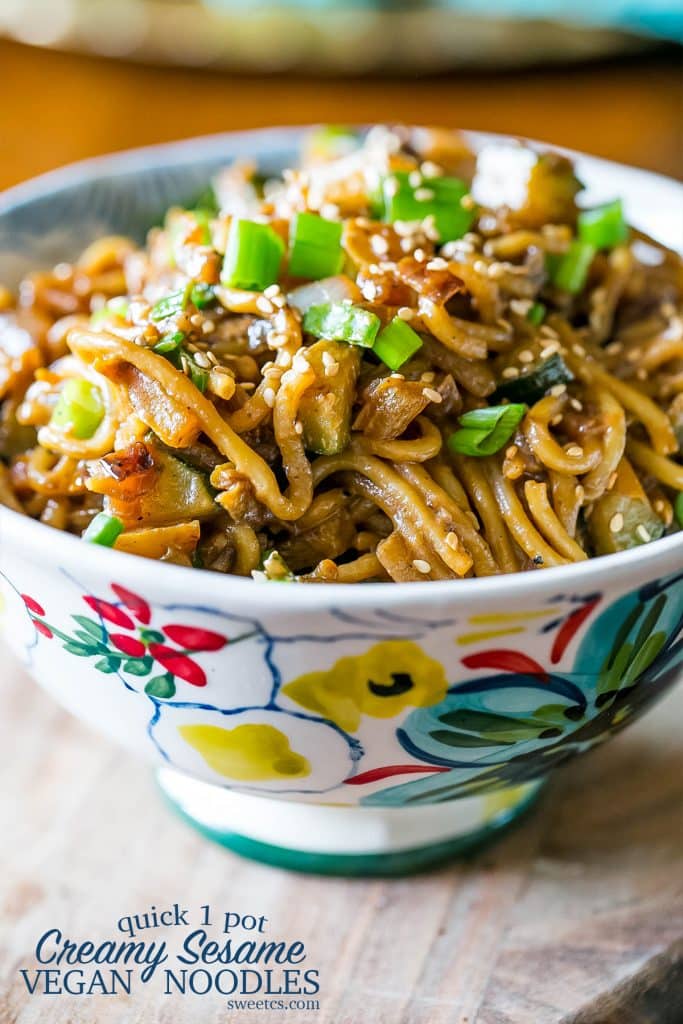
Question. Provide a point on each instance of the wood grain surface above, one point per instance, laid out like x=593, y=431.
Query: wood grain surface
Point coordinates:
x=60, y=107
x=573, y=918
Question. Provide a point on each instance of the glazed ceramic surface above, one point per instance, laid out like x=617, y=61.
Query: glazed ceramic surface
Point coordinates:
x=381, y=696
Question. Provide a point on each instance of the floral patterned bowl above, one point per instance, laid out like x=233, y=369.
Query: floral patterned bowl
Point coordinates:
x=367, y=729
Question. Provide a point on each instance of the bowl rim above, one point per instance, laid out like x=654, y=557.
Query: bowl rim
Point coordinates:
x=659, y=557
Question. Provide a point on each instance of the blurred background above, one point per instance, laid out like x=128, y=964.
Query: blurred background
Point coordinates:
x=82, y=77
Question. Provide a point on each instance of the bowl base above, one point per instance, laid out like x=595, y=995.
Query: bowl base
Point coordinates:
x=330, y=839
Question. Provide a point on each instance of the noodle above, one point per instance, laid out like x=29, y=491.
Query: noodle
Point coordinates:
x=429, y=400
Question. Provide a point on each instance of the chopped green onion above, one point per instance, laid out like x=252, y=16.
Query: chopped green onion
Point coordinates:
x=253, y=255
x=571, y=271
x=79, y=409
x=113, y=307
x=169, y=342
x=341, y=322
x=678, y=509
x=171, y=304
x=103, y=529
x=603, y=226
x=536, y=314
x=485, y=431
x=202, y=295
x=396, y=343
x=197, y=374
x=440, y=198
x=316, y=247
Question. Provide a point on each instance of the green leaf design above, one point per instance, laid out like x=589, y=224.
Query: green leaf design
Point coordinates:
x=610, y=680
x=489, y=722
x=105, y=665
x=161, y=686
x=151, y=636
x=81, y=650
x=644, y=657
x=93, y=629
x=138, y=666
x=88, y=641
x=452, y=738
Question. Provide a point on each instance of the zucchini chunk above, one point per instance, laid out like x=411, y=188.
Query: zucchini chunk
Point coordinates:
x=325, y=408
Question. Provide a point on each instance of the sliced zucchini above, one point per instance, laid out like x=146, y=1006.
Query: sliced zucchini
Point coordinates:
x=619, y=522
x=174, y=492
x=534, y=380
x=325, y=409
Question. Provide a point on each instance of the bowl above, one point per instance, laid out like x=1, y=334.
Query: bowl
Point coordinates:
x=370, y=729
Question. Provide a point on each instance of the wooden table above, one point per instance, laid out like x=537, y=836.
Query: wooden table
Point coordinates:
x=581, y=903
x=59, y=108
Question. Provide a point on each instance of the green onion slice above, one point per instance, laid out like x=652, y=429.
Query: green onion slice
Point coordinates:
x=171, y=304
x=315, y=247
x=396, y=343
x=571, y=271
x=169, y=342
x=338, y=321
x=114, y=307
x=536, y=314
x=79, y=409
x=603, y=226
x=202, y=295
x=104, y=530
x=253, y=255
x=485, y=431
x=440, y=198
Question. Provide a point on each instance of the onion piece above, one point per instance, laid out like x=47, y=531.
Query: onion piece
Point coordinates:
x=329, y=289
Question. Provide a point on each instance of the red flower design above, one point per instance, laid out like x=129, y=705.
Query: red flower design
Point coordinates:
x=178, y=664
x=130, y=645
x=506, y=661
x=35, y=609
x=33, y=606
x=192, y=638
x=110, y=612
x=136, y=605
x=42, y=628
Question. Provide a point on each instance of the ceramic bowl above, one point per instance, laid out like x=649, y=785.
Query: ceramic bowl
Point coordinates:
x=359, y=729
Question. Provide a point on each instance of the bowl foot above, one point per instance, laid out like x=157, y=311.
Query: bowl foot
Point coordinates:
x=340, y=840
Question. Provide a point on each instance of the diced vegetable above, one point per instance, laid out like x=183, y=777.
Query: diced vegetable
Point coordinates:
x=536, y=314
x=114, y=307
x=315, y=246
x=571, y=270
x=440, y=198
x=342, y=322
x=253, y=255
x=169, y=342
x=202, y=295
x=535, y=380
x=678, y=509
x=396, y=343
x=79, y=409
x=104, y=530
x=331, y=289
x=486, y=431
x=618, y=522
x=161, y=541
x=390, y=404
x=325, y=408
x=273, y=569
x=603, y=226
x=173, y=491
x=171, y=304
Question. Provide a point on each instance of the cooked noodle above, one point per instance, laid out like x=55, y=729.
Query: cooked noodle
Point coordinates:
x=224, y=432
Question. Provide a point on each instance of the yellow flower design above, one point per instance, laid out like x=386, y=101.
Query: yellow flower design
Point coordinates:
x=390, y=676
x=247, y=753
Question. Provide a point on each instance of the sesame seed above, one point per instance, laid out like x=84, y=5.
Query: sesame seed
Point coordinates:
x=201, y=360
x=269, y=397
x=379, y=245
x=196, y=319
x=424, y=195
x=510, y=371
x=431, y=170
x=437, y=264
x=556, y=420
x=396, y=376
x=264, y=305
x=546, y=331
x=432, y=395
x=467, y=202
x=422, y=566
x=578, y=350
x=612, y=480
x=370, y=290
x=208, y=326
x=575, y=451
x=520, y=306
x=427, y=377
x=616, y=523
x=330, y=211
x=212, y=359
x=643, y=533
x=525, y=356
x=579, y=492
x=276, y=339
x=452, y=540
x=332, y=369
x=405, y=227
x=414, y=179
x=271, y=291
x=298, y=427
x=576, y=404
x=279, y=301
x=390, y=187
x=404, y=313
x=550, y=350
x=406, y=244
x=511, y=451
x=557, y=390
x=419, y=255
x=614, y=348
x=480, y=267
